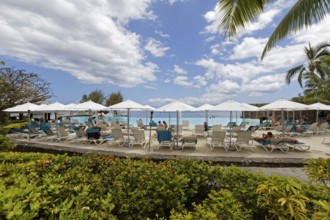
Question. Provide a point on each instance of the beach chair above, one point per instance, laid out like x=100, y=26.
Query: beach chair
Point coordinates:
x=185, y=124
x=199, y=131
x=311, y=130
x=297, y=146
x=139, y=138
x=190, y=141
x=140, y=124
x=63, y=135
x=243, y=140
x=118, y=136
x=80, y=135
x=218, y=140
x=273, y=144
x=165, y=139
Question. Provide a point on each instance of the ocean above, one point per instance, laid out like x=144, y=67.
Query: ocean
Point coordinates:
x=171, y=118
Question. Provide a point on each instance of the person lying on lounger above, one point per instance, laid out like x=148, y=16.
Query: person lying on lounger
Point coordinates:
x=270, y=136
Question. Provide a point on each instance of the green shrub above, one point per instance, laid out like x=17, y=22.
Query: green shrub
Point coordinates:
x=218, y=205
x=284, y=198
x=19, y=125
x=46, y=186
x=6, y=144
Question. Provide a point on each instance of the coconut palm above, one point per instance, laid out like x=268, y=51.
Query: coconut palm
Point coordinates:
x=318, y=89
x=237, y=14
x=317, y=67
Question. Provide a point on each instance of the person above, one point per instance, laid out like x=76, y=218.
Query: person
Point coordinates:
x=160, y=127
x=206, y=126
x=269, y=136
x=272, y=118
x=165, y=125
x=328, y=118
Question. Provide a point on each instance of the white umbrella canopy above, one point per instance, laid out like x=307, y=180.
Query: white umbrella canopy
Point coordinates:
x=89, y=105
x=205, y=107
x=56, y=106
x=230, y=105
x=150, y=108
x=283, y=104
x=319, y=106
x=22, y=108
x=176, y=106
x=251, y=107
x=127, y=104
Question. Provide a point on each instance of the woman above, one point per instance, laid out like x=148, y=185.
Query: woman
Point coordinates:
x=270, y=136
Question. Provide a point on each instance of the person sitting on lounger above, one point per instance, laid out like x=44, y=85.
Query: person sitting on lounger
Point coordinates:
x=270, y=136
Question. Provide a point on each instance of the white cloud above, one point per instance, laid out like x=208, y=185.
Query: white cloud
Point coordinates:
x=264, y=84
x=249, y=47
x=174, y=1
x=86, y=39
x=155, y=48
x=182, y=81
x=162, y=34
x=179, y=70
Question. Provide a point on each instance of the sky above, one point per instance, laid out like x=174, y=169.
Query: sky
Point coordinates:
x=152, y=51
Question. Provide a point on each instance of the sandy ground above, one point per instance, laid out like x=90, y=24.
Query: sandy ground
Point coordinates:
x=317, y=150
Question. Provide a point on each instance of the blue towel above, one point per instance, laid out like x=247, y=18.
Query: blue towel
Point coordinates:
x=164, y=136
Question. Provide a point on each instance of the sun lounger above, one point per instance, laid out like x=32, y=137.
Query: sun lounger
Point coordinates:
x=271, y=145
x=190, y=141
x=165, y=139
x=139, y=138
x=243, y=140
x=297, y=146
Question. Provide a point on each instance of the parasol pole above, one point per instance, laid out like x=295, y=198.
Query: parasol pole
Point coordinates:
x=151, y=113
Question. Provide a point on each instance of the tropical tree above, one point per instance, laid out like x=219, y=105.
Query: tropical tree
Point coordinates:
x=18, y=87
x=237, y=14
x=95, y=96
x=317, y=67
x=114, y=98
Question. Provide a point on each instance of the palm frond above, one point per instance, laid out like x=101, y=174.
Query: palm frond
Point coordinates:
x=292, y=72
x=301, y=15
x=236, y=14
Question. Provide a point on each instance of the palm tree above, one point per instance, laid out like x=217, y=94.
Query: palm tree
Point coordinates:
x=238, y=13
x=317, y=68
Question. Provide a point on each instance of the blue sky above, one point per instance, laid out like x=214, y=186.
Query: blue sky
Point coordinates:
x=153, y=51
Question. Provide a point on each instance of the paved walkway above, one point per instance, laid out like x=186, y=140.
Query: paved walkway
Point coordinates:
x=245, y=157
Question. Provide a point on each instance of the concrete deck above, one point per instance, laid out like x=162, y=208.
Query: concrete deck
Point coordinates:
x=245, y=157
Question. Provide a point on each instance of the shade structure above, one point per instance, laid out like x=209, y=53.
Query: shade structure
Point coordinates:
x=54, y=107
x=230, y=106
x=283, y=104
x=251, y=107
x=26, y=107
x=206, y=108
x=22, y=108
x=318, y=106
x=177, y=107
x=128, y=105
x=85, y=106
